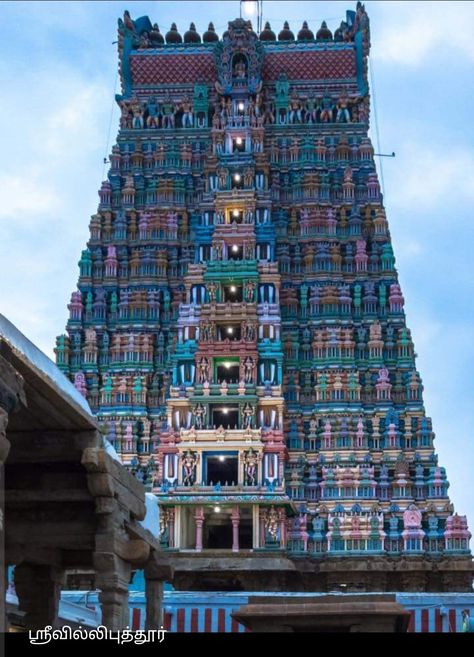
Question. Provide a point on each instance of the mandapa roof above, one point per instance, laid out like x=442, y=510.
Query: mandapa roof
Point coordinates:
x=26, y=350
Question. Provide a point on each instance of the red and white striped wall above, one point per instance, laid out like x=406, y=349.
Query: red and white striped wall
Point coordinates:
x=211, y=612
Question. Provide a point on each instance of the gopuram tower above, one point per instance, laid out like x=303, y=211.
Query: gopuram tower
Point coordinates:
x=238, y=327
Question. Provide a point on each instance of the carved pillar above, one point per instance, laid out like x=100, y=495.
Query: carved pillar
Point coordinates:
x=11, y=395
x=282, y=518
x=157, y=570
x=4, y=443
x=235, y=517
x=154, y=603
x=4, y=448
x=38, y=589
x=113, y=578
x=173, y=540
x=199, y=518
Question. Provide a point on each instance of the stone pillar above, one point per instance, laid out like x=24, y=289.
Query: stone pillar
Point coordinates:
x=4, y=449
x=38, y=589
x=12, y=396
x=235, y=517
x=4, y=443
x=199, y=518
x=256, y=526
x=282, y=516
x=154, y=603
x=156, y=572
x=113, y=578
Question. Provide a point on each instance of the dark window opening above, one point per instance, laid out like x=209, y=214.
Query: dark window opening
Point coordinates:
x=225, y=417
x=238, y=145
x=233, y=293
x=236, y=216
x=230, y=373
x=222, y=470
x=237, y=181
x=235, y=252
x=229, y=332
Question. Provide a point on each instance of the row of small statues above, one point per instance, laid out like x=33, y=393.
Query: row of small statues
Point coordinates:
x=262, y=110
x=138, y=115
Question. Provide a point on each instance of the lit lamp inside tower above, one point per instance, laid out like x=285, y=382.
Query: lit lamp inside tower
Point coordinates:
x=236, y=181
x=235, y=252
x=239, y=143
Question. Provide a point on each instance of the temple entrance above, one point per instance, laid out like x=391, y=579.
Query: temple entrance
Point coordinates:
x=245, y=530
x=219, y=537
x=217, y=530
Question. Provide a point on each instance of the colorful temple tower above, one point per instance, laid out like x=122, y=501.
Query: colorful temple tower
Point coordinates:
x=238, y=326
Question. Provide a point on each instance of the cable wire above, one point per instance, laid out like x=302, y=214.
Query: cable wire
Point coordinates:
x=110, y=126
x=376, y=122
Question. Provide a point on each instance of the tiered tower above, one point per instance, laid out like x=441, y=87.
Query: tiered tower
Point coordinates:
x=239, y=329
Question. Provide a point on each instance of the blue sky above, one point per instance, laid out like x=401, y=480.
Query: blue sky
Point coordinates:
x=58, y=71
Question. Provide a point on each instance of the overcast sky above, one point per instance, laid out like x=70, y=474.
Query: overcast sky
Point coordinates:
x=58, y=74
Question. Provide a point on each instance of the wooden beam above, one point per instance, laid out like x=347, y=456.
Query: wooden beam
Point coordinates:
x=16, y=496
x=51, y=446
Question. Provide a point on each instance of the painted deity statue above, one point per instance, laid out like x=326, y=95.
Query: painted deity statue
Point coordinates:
x=327, y=107
x=189, y=462
x=311, y=107
x=153, y=118
x=249, y=291
x=212, y=291
x=271, y=525
x=295, y=115
x=203, y=369
x=199, y=415
x=268, y=111
x=248, y=413
x=250, y=468
x=168, y=111
x=249, y=366
x=342, y=107
x=138, y=121
x=240, y=70
x=188, y=116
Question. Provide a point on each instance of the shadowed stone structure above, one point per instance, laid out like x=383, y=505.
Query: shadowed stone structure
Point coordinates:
x=69, y=503
x=328, y=613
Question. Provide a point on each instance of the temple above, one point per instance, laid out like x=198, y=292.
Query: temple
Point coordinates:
x=239, y=327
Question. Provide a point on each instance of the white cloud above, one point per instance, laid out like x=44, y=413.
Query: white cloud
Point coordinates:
x=408, y=33
x=427, y=176
x=23, y=195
